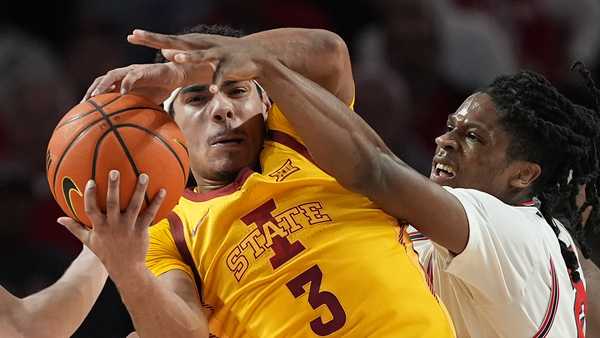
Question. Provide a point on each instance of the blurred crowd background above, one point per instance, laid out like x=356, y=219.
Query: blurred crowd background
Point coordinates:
x=415, y=61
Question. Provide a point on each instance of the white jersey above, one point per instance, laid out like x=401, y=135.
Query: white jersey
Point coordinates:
x=511, y=279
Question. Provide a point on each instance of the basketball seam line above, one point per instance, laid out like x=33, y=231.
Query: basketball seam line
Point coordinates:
x=160, y=138
x=62, y=156
x=121, y=142
x=86, y=113
x=109, y=114
x=95, y=157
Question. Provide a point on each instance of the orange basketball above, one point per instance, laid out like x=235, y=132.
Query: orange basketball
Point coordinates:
x=127, y=133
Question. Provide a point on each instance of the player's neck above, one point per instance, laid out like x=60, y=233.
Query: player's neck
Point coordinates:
x=518, y=198
x=204, y=184
x=205, y=187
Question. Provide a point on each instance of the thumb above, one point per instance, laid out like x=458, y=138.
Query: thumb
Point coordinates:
x=78, y=230
x=133, y=335
x=169, y=54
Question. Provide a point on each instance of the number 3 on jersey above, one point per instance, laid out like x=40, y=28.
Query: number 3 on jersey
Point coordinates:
x=284, y=251
x=317, y=298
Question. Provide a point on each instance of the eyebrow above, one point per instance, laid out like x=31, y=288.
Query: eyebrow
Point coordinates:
x=469, y=124
x=230, y=82
x=202, y=88
x=194, y=89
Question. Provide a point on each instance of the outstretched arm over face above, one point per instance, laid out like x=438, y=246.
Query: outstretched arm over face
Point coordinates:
x=58, y=310
x=317, y=54
x=344, y=145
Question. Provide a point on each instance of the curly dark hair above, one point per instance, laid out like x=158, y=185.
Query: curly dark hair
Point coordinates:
x=204, y=29
x=563, y=138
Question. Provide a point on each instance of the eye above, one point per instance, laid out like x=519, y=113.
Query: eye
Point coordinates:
x=196, y=99
x=449, y=127
x=238, y=91
x=473, y=137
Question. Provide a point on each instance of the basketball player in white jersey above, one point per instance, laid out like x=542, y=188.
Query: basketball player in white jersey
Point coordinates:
x=443, y=282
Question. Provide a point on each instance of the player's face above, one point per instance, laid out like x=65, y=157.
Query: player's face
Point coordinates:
x=224, y=131
x=473, y=151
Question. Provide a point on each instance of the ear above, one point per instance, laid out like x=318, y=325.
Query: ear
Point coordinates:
x=526, y=174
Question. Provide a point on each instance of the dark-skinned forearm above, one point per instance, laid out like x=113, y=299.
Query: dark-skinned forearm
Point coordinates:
x=344, y=145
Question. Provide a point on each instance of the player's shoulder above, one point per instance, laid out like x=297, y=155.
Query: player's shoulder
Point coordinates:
x=477, y=199
x=490, y=203
x=160, y=230
x=485, y=209
x=278, y=123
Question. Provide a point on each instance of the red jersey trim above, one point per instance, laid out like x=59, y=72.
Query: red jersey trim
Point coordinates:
x=290, y=142
x=176, y=227
x=528, y=203
x=552, y=305
x=417, y=236
x=226, y=190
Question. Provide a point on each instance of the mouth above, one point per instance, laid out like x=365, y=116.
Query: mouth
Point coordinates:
x=227, y=140
x=443, y=172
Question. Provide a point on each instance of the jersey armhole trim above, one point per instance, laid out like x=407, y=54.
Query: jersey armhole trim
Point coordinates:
x=176, y=227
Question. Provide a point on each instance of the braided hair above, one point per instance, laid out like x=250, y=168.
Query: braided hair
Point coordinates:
x=563, y=138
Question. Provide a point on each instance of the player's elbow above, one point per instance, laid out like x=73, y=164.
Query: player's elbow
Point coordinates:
x=45, y=329
x=338, y=54
x=329, y=41
x=336, y=47
x=335, y=53
x=40, y=333
x=12, y=323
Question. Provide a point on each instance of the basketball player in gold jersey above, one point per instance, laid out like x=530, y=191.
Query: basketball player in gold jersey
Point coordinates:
x=267, y=244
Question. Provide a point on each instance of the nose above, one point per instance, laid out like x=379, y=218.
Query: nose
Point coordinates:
x=222, y=115
x=446, y=141
x=221, y=109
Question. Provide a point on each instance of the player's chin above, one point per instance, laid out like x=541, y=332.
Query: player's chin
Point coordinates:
x=229, y=167
x=445, y=180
